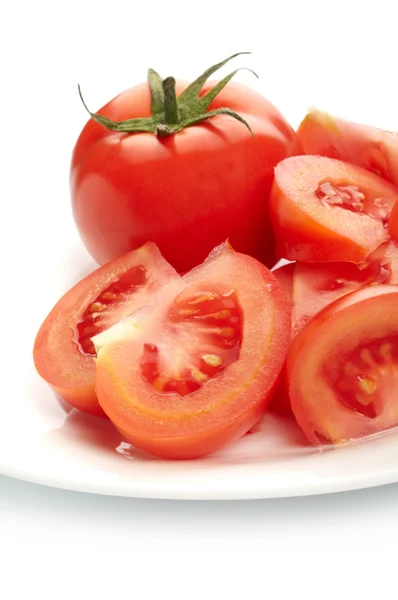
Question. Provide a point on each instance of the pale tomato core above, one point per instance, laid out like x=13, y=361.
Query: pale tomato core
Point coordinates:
x=352, y=198
x=95, y=318
x=202, y=338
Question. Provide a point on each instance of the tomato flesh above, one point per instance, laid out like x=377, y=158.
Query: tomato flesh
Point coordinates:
x=373, y=149
x=314, y=286
x=196, y=370
x=317, y=285
x=342, y=367
x=324, y=210
x=63, y=351
x=358, y=383
x=101, y=314
x=214, y=319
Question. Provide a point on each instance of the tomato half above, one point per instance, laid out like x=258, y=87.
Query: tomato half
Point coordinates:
x=342, y=367
x=196, y=370
x=187, y=192
x=63, y=351
x=373, y=149
x=325, y=210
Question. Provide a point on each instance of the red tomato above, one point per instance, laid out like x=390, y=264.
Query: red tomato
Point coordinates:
x=63, y=351
x=342, y=367
x=196, y=370
x=188, y=191
x=373, y=149
x=324, y=210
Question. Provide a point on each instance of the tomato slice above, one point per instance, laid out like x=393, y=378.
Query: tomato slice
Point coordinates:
x=342, y=367
x=324, y=210
x=63, y=351
x=196, y=370
x=373, y=149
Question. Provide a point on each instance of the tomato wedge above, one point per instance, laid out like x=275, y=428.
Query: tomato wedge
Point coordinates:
x=63, y=351
x=311, y=287
x=342, y=367
x=325, y=210
x=317, y=285
x=373, y=149
x=196, y=370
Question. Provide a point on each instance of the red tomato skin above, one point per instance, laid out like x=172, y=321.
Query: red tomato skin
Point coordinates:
x=195, y=446
x=220, y=428
x=56, y=358
x=187, y=192
x=373, y=149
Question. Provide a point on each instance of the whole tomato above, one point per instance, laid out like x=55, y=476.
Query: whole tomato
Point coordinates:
x=184, y=166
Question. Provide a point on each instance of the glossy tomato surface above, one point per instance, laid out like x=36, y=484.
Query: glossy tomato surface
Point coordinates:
x=342, y=367
x=63, y=351
x=325, y=210
x=187, y=192
x=197, y=369
x=373, y=149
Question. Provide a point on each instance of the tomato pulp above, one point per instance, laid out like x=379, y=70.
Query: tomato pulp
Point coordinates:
x=197, y=369
x=63, y=351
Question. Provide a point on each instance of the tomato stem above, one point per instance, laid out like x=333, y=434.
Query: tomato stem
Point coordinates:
x=171, y=116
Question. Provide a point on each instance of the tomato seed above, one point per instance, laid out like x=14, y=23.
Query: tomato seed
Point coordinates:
x=368, y=385
x=212, y=360
x=95, y=307
x=202, y=298
x=199, y=375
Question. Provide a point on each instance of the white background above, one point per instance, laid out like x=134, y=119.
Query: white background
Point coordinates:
x=340, y=56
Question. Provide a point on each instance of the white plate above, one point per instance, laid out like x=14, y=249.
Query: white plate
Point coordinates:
x=42, y=441
x=41, y=256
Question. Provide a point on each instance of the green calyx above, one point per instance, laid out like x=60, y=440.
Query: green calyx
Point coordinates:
x=171, y=114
